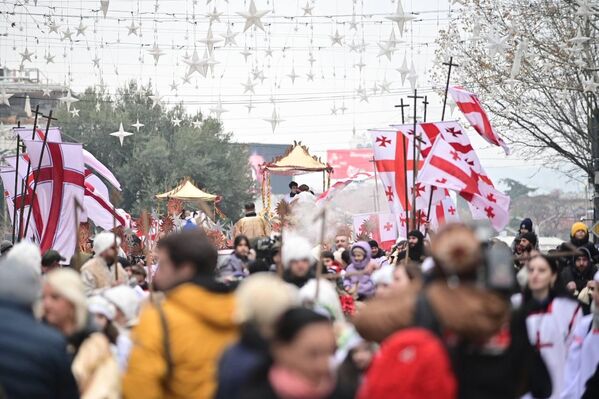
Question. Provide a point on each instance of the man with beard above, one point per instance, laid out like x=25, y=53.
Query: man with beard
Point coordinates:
x=99, y=272
x=579, y=272
x=579, y=238
x=583, y=356
x=416, y=247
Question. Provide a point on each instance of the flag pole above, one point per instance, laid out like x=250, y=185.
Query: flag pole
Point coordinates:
x=39, y=166
x=24, y=186
x=415, y=156
x=405, y=164
x=450, y=65
x=425, y=102
x=376, y=186
x=14, y=213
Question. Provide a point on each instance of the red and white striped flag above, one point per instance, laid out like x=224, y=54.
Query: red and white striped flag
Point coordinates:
x=472, y=109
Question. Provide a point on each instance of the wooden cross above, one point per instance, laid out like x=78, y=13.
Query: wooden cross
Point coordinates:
x=402, y=106
x=450, y=64
x=425, y=102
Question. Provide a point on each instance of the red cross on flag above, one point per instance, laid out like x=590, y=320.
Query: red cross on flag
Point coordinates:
x=12, y=196
x=472, y=109
x=443, y=169
x=377, y=226
x=60, y=185
x=445, y=212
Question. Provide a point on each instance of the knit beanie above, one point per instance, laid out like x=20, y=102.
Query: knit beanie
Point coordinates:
x=67, y=283
x=104, y=241
x=577, y=227
x=531, y=238
x=526, y=224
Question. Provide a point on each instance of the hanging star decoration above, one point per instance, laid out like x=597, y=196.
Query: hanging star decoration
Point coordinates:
x=336, y=38
x=96, y=61
x=49, y=58
x=196, y=65
x=68, y=100
x=174, y=86
x=353, y=47
x=248, y=86
x=310, y=76
x=4, y=97
x=274, y=120
x=176, y=122
x=156, y=99
x=156, y=53
x=74, y=112
x=46, y=92
x=246, y=53
x=81, y=28
x=497, y=45
x=67, y=34
x=404, y=70
x=293, y=75
x=229, y=37
x=197, y=124
x=386, y=49
x=121, y=134
x=362, y=94
x=214, y=16
x=343, y=108
x=384, y=86
x=104, y=6
x=252, y=17
x=209, y=41
x=132, y=29
x=137, y=125
x=400, y=17
x=53, y=27
x=218, y=110
x=334, y=109
x=413, y=76
x=307, y=9
x=26, y=55
x=353, y=25
x=250, y=106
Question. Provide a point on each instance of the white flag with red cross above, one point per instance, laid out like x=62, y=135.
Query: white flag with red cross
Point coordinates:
x=445, y=212
x=14, y=196
x=380, y=227
x=472, y=109
x=60, y=185
x=447, y=167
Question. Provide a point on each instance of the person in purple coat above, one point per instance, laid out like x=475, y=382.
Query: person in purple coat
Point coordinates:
x=360, y=259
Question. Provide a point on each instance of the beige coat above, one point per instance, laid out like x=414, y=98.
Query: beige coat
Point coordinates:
x=252, y=227
x=96, y=275
x=96, y=370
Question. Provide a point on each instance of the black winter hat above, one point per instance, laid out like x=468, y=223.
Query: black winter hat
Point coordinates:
x=531, y=238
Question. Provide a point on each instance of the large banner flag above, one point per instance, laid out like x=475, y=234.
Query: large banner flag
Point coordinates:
x=376, y=226
x=448, y=167
x=60, y=186
x=472, y=109
x=445, y=212
x=341, y=185
x=14, y=197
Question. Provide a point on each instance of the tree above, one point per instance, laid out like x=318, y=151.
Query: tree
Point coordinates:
x=534, y=65
x=517, y=189
x=160, y=155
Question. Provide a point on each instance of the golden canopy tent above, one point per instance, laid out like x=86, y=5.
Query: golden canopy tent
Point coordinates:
x=187, y=191
x=296, y=161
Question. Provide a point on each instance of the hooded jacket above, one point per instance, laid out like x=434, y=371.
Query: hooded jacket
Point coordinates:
x=576, y=244
x=199, y=323
x=365, y=284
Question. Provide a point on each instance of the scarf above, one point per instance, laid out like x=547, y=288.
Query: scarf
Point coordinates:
x=289, y=385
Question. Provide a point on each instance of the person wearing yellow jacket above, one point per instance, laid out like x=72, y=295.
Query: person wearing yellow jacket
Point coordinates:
x=177, y=344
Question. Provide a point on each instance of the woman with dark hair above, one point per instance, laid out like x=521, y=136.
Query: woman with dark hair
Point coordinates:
x=236, y=264
x=551, y=316
x=302, y=348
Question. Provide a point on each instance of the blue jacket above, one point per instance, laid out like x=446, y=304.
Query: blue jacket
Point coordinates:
x=33, y=360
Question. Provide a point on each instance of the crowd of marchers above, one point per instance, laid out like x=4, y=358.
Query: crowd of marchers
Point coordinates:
x=438, y=315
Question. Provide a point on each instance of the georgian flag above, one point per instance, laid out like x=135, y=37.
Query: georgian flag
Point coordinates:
x=384, y=228
x=445, y=212
x=447, y=167
x=472, y=109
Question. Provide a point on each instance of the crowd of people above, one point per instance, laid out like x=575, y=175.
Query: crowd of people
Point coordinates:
x=439, y=315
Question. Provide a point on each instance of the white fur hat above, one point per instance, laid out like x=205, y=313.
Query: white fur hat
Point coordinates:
x=384, y=275
x=262, y=298
x=295, y=248
x=97, y=304
x=68, y=284
x=104, y=241
x=126, y=300
x=27, y=253
x=327, y=301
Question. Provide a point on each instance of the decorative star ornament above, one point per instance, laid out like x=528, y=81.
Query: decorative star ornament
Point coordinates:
x=132, y=29
x=81, y=28
x=250, y=107
x=67, y=34
x=156, y=99
x=403, y=69
x=68, y=100
x=54, y=27
x=4, y=97
x=176, y=122
x=400, y=17
x=497, y=45
x=307, y=9
x=26, y=55
x=343, y=108
x=336, y=38
x=197, y=124
x=589, y=85
x=353, y=47
x=248, y=86
x=209, y=41
x=214, y=16
x=74, y=112
x=412, y=76
x=293, y=75
x=246, y=53
x=384, y=86
x=121, y=134
x=46, y=92
x=219, y=110
x=353, y=25
x=229, y=37
x=104, y=7
x=210, y=62
x=311, y=59
x=310, y=76
x=49, y=58
x=156, y=53
x=174, y=86
x=275, y=119
x=252, y=17
x=334, y=109
x=137, y=125
x=386, y=49
x=268, y=52
x=360, y=65
x=196, y=65
x=96, y=61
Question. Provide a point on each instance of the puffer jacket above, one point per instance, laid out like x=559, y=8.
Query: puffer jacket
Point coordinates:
x=363, y=281
x=198, y=319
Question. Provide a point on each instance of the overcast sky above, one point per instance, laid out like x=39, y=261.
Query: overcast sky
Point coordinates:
x=304, y=105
